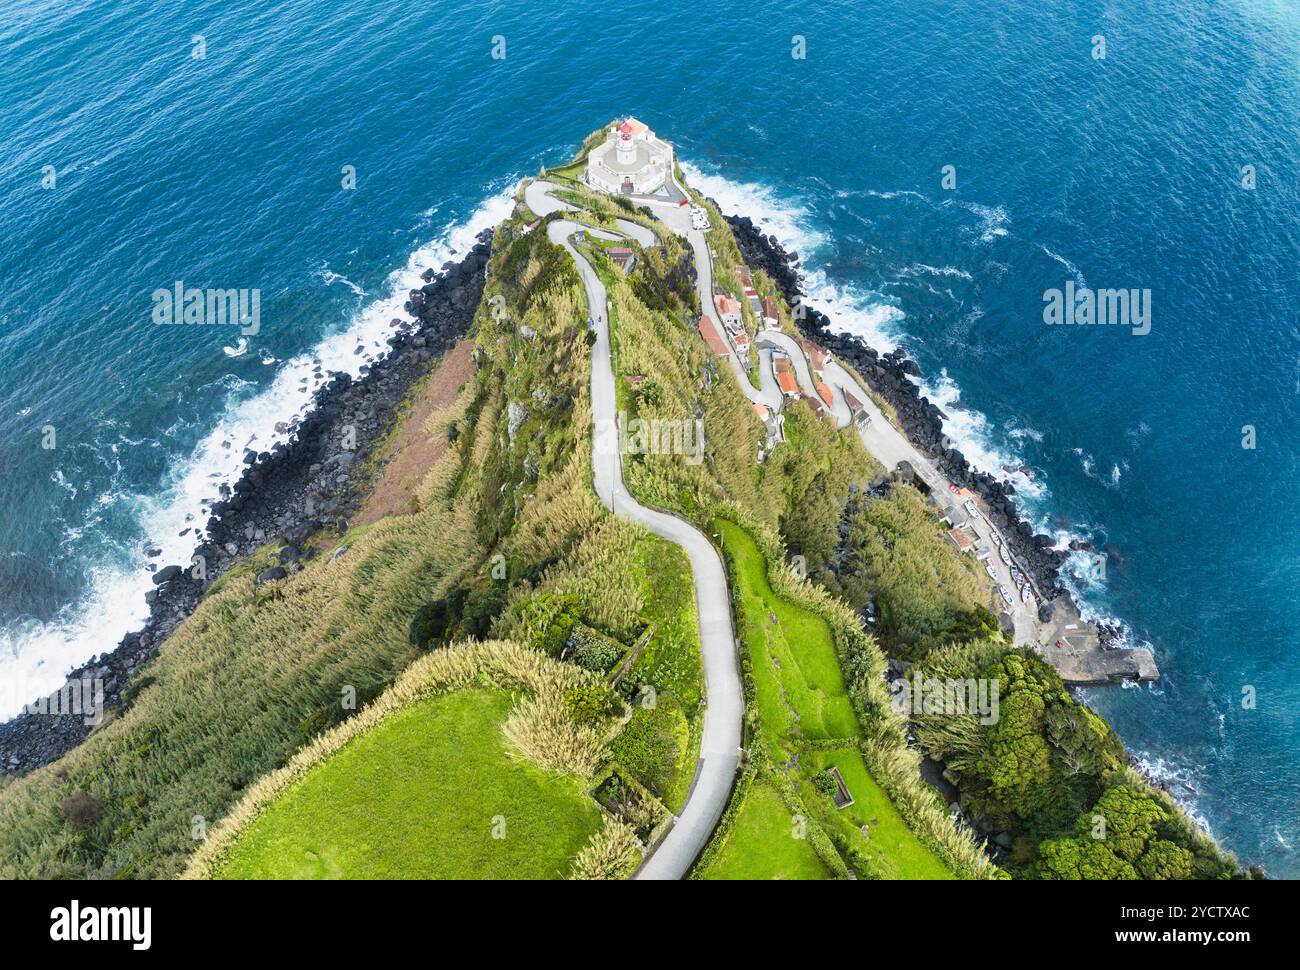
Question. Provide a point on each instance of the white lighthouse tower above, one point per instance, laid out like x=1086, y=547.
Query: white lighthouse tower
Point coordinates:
x=626, y=150
x=630, y=161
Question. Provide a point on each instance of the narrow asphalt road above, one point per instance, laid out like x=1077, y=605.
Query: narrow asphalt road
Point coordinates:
x=880, y=438
x=678, y=219
x=889, y=447
x=721, y=736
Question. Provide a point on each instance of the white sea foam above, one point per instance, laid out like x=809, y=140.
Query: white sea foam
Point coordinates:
x=786, y=220
x=917, y=269
x=970, y=433
x=1069, y=266
x=329, y=276
x=863, y=314
x=1180, y=780
x=993, y=219
x=1088, y=464
x=34, y=658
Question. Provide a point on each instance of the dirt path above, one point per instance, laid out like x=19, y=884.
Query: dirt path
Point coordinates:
x=412, y=452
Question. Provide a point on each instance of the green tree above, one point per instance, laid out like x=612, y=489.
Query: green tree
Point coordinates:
x=1081, y=859
x=1130, y=818
x=1165, y=860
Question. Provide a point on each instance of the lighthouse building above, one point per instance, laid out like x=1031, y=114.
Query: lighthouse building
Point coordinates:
x=631, y=161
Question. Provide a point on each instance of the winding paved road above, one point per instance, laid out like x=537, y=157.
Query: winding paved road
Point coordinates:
x=720, y=747
x=721, y=736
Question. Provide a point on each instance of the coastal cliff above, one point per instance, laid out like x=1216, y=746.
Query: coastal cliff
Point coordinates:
x=298, y=487
x=1083, y=653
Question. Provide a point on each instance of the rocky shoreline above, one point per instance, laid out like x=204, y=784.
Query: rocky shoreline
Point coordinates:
x=300, y=486
x=890, y=376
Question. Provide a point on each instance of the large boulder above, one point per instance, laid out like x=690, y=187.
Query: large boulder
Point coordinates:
x=167, y=574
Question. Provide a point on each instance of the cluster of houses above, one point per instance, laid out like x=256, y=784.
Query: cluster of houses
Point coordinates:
x=733, y=320
x=734, y=339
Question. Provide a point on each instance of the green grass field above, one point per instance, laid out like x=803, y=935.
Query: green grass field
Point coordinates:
x=801, y=696
x=763, y=843
x=418, y=797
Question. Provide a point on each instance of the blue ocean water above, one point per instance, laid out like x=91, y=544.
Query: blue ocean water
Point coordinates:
x=226, y=171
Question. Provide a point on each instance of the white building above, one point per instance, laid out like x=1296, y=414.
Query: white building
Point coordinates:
x=632, y=161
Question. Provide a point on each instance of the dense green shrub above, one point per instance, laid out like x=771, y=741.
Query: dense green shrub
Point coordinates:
x=1128, y=834
x=1052, y=772
x=591, y=704
x=433, y=621
x=825, y=784
x=592, y=651
x=463, y=612
x=652, y=745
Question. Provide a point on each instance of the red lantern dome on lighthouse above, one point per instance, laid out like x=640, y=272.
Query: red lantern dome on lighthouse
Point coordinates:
x=626, y=150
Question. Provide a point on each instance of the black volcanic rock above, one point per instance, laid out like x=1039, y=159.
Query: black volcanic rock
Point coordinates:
x=167, y=574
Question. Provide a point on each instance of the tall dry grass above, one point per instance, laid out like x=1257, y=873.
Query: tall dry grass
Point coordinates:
x=612, y=853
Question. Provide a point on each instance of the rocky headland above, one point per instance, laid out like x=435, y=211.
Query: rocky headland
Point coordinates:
x=1083, y=653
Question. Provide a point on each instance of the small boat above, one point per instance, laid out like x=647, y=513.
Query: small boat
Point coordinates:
x=1026, y=596
x=988, y=568
x=1004, y=555
x=1006, y=595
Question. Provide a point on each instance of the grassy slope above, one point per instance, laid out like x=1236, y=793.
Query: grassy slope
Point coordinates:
x=800, y=696
x=239, y=687
x=416, y=798
x=763, y=843
x=671, y=659
x=257, y=673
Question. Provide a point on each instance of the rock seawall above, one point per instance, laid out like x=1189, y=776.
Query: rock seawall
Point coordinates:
x=290, y=492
